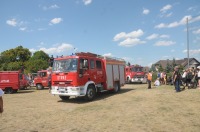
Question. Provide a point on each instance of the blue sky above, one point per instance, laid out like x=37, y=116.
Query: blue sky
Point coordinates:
x=140, y=31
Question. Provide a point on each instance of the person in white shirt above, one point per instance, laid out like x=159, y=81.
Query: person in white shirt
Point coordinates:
x=1, y=100
x=157, y=82
x=184, y=79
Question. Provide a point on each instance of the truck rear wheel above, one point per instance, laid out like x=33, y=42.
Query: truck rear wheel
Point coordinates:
x=64, y=98
x=39, y=86
x=9, y=91
x=90, y=94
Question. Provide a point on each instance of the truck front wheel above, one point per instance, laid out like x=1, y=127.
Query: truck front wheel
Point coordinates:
x=39, y=86
x=90, y=94
x=64, y=98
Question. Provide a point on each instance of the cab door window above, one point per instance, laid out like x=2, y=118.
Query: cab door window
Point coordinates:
x=92, y=64
x=98, y=64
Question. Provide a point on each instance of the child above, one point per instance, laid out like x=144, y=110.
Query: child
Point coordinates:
x=157, y=82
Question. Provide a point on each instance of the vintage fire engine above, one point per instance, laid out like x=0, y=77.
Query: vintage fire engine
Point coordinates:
x=135, y=74
x=86, y=74
x=12, y=81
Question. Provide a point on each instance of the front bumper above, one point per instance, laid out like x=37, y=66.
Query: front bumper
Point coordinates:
x=138, y=80
x=67, y=91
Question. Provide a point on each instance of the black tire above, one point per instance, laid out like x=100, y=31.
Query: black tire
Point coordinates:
x=9, y=91
x=64, y=98
x=39, y=86
x=91, y=93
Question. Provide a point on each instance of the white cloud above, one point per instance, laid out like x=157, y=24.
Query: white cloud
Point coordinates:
x=178, y=23
x=129, y=39
x=196, y=31
x=56, y=21
x=129, y=42
x=50, y=7
x=164, y=36
x=161, y=25
x=22, y=29
x=146, y=11
x=153, y=36
x=119, y=36
x=164, y=43
x=133, y=34
x=193, y=8
x=108, y=54
x=166, y=8
x=21, y=25
x=58, y=49
x=169, y=14
x=54, y=6
x=12, y=22
x=87, y=2
x=193, y=52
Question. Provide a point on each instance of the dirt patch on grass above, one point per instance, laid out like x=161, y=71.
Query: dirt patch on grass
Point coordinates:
x=135, y=108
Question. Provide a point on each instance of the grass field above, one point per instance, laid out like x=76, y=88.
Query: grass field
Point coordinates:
x=135, y=108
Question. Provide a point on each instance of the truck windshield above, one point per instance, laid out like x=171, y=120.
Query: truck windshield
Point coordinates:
x=137, y=69
x=68, y=65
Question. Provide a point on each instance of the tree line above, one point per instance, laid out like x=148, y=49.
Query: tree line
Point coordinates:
x=21, y=58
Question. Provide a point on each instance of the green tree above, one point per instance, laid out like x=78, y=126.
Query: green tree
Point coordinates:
x=41, y=55
x=39, y=61
x=35, y=65
x=153, y=68
x=13, y=59
x=174, y=63
x=160, y=68
x=168, y=68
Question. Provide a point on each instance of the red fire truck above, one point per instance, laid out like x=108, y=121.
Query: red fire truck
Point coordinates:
x=85, y=74
x=43, y=79
x=12, y=81
x=135, y=74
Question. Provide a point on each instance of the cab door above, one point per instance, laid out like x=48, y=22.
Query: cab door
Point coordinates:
x=84, y=73
x=99, y=71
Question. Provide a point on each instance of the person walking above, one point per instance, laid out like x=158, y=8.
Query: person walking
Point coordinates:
x=149, y=79
x=176, y=79
x=1, y=100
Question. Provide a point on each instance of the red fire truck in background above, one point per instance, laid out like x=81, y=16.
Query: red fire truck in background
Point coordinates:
x=12, y=81
x=135, y=74
x=86, y=74
x=43, y=79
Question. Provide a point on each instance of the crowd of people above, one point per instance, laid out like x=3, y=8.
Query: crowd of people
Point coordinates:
x=189, y=78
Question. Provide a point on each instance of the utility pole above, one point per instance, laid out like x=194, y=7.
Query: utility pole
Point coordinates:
x=188, y=44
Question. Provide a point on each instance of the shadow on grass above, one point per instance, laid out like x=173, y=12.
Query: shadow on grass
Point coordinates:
x=99, y=96
x=24, y=91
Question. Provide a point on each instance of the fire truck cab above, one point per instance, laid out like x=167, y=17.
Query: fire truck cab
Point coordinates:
x=43, y=79
x=85, y=74
x=135, y=74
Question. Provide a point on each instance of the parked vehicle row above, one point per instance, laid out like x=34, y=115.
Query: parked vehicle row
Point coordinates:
x=83, y=74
